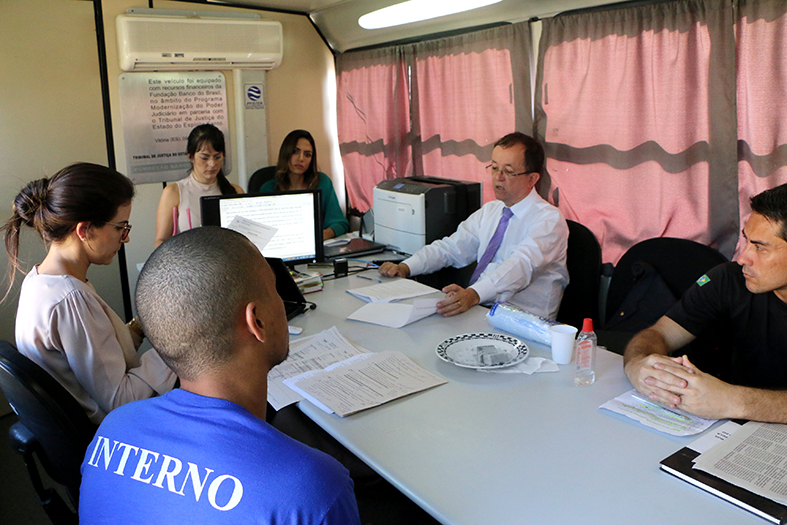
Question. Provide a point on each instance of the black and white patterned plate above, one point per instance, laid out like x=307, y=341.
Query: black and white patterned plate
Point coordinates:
x=483, y=350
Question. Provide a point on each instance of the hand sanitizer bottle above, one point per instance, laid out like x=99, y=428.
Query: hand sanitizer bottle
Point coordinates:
x=586, y=355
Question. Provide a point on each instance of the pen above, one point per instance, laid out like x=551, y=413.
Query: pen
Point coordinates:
x=661, y=407
x=369, y=278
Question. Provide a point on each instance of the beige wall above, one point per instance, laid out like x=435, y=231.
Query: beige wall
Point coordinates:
x=50, y=114
x=300, y=94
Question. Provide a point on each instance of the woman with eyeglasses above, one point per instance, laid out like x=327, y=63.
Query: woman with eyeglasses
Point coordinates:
x=297, y=170
x=179, y=208
x=62, y=324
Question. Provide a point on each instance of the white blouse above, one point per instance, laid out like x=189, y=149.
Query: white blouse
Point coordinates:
x=189, y=206
x=68, y=330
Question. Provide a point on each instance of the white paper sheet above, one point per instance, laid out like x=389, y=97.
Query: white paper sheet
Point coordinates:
x=259, y=234
x=528, y=366
x=669, y=420
x=365, y=383
x=754, y=457
x=711, y=439
x=292, y=381
x=396, y=290
x=309, y=353
x=395, y=315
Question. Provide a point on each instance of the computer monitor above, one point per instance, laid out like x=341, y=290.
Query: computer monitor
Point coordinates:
x=295, y=214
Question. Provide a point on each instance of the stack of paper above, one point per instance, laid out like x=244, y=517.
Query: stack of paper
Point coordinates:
x=310, y=353
x=745, y=465
x=362, y=382
x=308, y=282
x=395, y=290
x=634, y=405
x=754, y=458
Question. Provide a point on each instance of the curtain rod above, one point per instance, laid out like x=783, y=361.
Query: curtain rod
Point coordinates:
x=612, y=7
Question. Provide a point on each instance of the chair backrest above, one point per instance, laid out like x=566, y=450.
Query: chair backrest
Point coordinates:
x=583, y=260
x=679, y=262
x=50, y=413
x=260, y=177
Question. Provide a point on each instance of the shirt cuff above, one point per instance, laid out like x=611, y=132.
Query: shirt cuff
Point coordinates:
x=485, y=290
x=415, y=267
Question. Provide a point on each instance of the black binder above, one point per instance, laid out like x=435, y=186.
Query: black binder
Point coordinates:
x=680, y=464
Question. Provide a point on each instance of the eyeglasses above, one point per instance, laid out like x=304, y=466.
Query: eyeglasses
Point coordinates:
x=126, y=227
x=495, y=171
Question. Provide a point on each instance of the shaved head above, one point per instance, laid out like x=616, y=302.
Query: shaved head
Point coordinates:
x=191, y=296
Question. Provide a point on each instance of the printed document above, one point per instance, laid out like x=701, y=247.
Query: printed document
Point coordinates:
x=364, y=382
x=396, y=290
x=309, y=353
x=673, y=421
x=754, y=458
x=395, y=315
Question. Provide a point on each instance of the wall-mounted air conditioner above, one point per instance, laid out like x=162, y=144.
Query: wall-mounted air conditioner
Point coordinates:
x=169, y=43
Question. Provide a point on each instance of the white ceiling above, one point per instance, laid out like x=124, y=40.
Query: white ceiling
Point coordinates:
x=338, y=19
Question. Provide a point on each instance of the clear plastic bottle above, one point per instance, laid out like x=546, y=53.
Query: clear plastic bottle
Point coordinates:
x=586, y=355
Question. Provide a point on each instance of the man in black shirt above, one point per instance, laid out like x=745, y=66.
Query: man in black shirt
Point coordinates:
x=750, y=298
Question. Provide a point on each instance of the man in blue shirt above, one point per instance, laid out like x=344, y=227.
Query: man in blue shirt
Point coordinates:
x=203, y=453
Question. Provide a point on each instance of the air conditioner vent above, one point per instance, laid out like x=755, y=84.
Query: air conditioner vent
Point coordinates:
x=166, y=43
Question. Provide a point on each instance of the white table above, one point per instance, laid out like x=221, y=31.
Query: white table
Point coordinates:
x=501, y=449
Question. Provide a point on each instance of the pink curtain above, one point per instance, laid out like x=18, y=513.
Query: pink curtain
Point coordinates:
x=636, y=108
x=468, y=91
x=433, y=108
x=373, y=119
x=761, y=50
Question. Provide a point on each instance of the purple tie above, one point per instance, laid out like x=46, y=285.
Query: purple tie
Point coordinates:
x=494, y=244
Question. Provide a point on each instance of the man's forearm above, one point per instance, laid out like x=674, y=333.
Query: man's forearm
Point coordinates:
x=646, y=342
x=762, y=405
x=647, y=364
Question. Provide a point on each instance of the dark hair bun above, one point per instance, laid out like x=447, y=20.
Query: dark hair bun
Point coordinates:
x=31, y=199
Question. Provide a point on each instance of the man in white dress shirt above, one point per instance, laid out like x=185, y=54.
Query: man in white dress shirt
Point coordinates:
x=521, y=252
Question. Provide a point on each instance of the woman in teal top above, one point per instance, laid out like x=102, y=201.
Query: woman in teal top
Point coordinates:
x=297, y=170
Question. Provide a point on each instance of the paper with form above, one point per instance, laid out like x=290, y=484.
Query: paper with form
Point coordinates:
x=364, y=382
x=395, y=290
x=670, y=420
x=395, y=315
x=309, y=353
x=259, y=234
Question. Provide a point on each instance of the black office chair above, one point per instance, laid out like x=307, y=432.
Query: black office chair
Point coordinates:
x=260, y=177
x=653, y=274
x=53, y=428
x=583, y=260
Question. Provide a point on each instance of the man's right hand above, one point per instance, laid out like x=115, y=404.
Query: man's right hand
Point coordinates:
x=654, y=376
x=648, y=366
x=390, y=269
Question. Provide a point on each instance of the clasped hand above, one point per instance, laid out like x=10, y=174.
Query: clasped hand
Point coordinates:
x=678, y=383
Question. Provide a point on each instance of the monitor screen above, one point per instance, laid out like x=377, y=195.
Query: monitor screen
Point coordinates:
x=295, y=215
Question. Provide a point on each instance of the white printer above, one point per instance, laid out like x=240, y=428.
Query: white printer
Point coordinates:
x=411, y=212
